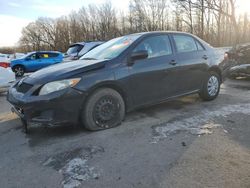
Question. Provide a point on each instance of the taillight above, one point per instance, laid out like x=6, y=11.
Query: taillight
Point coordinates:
x=4, y=65
x=226, y=56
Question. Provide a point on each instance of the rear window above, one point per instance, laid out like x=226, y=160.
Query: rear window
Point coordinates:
x=74, y=49
x=53, y=54
x=185, y=43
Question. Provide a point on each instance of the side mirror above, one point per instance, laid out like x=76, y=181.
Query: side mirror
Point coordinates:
x=142, y=54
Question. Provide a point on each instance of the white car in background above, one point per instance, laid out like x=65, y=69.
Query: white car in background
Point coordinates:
x=7, y=76
x=4, y=58
x=15, y=56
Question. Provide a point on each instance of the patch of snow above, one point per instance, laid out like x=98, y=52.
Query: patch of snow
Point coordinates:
x=48, y=161
x=76, y=171
x=73, y=165
x=199, y=124
x=204, y=129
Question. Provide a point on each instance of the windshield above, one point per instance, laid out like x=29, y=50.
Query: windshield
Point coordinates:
x=111, y=49
x=74, y=49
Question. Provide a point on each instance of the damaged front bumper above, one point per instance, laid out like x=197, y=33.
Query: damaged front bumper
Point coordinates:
x=56, y=108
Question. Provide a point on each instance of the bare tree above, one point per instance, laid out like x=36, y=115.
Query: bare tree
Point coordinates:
x=213, y=20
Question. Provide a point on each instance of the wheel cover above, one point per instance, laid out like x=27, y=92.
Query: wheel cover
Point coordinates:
x=19, y=71
x=213, y=86
x=106, y=112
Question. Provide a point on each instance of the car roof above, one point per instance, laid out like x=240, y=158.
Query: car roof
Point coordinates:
x=46, y=52
x=159, y=32
x=164, y=32
x=170, y=32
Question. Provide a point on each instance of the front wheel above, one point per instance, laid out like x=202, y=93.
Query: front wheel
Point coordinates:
x=104, y=109
x=211, y=87
x=19, y=70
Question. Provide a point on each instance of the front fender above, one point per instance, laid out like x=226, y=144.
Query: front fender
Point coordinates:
x=109, y=79
x=93, y=79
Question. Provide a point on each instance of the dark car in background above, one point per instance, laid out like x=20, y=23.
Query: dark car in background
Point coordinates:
x=79, y=49
x=121, y=75
x=34, y=61
x=239, y=61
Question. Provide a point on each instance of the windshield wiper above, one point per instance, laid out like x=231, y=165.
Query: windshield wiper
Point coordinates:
x=89, y=58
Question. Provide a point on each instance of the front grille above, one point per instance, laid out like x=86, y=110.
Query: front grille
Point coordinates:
x=23, y=87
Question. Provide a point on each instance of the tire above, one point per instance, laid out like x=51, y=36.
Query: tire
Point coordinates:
x=211, y=87
x=104, y=109
x=19, y=70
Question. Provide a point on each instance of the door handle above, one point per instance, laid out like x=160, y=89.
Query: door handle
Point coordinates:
x=205, y=57
x=173, y=62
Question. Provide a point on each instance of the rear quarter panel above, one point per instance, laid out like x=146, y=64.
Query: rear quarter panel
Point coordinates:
x=58, y=59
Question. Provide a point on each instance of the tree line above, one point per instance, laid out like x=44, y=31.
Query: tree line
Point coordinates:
x=215, y=21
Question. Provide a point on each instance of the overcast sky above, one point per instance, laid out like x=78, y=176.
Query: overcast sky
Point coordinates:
x=15, y=14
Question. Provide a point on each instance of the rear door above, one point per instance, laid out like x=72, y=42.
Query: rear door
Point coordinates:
x=154, y=79
x=55, y=58
x=192, y=61
x=44, y=60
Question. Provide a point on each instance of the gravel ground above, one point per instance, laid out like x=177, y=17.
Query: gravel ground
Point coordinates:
x=183, y=143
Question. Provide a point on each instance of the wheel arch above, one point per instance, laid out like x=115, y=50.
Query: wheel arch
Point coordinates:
x=112, y=85
x=21, y=65
x=217, y=70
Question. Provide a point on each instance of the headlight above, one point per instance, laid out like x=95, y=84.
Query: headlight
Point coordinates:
x=58, y=85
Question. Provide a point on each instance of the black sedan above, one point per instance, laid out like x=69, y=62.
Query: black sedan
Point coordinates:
x=118, y=76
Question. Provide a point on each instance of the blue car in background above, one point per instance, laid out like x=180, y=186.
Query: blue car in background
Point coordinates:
x=34, y=61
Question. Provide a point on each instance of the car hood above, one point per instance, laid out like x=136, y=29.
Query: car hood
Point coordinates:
x=70, y=55
x=64, y=71
x=70, y=58
x=16, y=60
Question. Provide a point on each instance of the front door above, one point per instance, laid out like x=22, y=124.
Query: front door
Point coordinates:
x=154, y=78
x=32, y=62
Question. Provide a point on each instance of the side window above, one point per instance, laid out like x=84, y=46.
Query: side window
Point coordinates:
x=185, y=43
x=53, y=55
x=199, y=46
x=43, y=56
x=156, y=46
x=33, y=57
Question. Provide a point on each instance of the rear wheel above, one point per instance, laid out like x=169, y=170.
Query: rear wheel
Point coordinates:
x=211, y=87
x=19, y=70
x=104, y=109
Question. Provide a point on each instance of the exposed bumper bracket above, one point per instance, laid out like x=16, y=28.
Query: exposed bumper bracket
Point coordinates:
x=24, y=122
